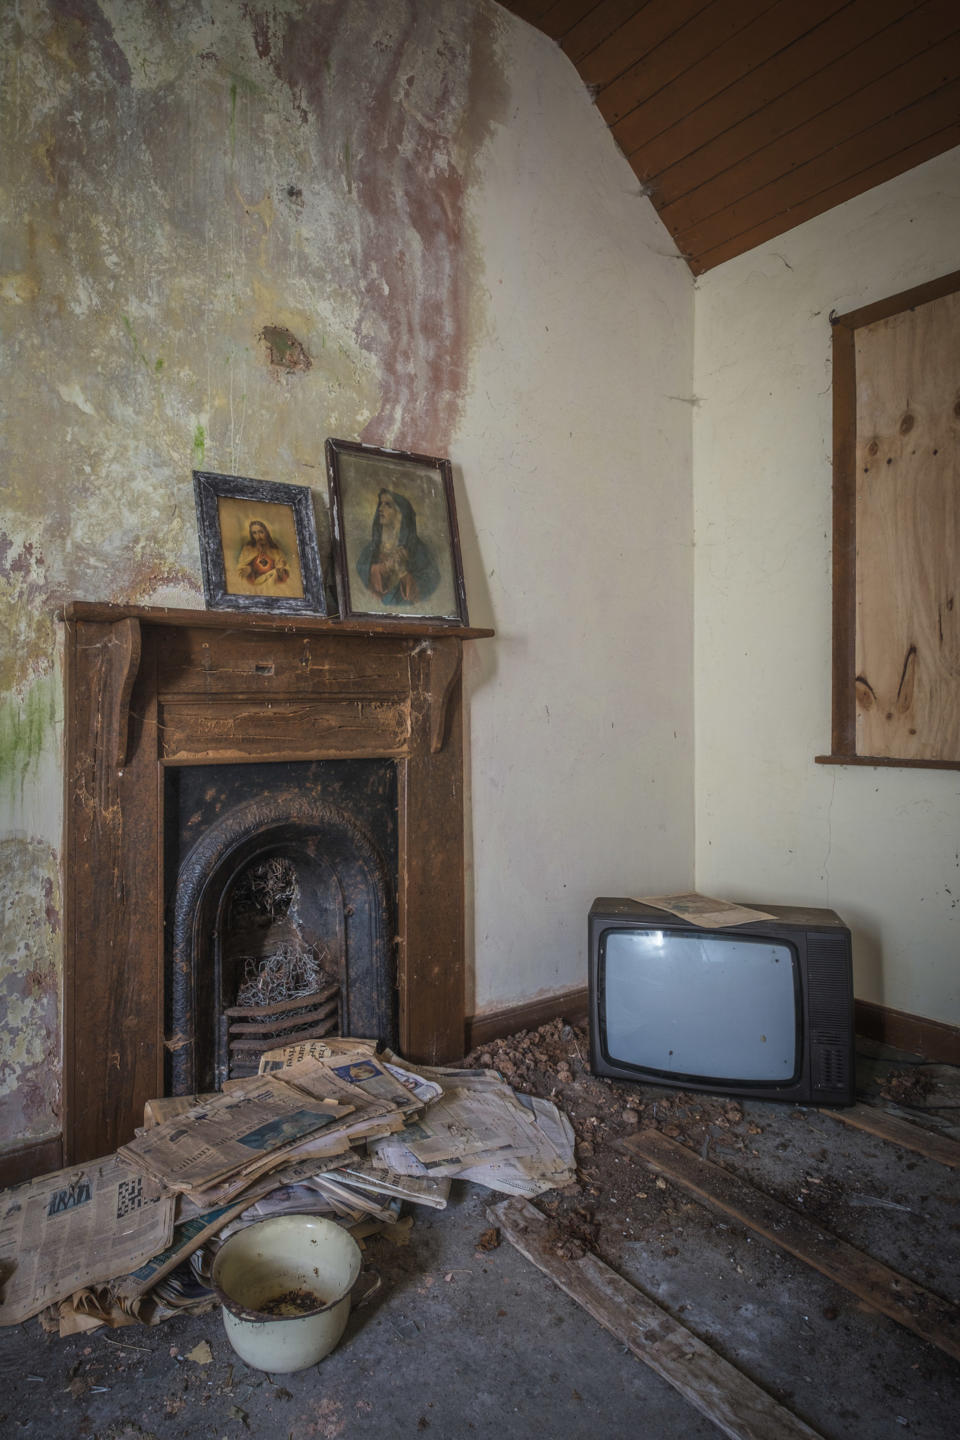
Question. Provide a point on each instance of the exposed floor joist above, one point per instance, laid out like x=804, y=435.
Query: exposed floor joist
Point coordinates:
x=894, y=1295
x=709, y=1383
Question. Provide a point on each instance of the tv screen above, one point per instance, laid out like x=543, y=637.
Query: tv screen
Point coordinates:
x=764, y=1009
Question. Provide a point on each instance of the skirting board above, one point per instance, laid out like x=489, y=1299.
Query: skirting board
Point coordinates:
x=932, y=1039
x=571, y=1005
x=30, y=1161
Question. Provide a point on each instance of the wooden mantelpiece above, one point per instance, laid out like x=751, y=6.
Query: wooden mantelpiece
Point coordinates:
x=150, y=688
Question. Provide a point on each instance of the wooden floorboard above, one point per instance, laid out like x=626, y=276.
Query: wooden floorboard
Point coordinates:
x=738, y=1407
x=910, y=1305
x=899, y=1132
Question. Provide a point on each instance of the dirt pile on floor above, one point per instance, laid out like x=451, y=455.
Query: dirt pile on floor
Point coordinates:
x=615, y=1197
x=909, y=1087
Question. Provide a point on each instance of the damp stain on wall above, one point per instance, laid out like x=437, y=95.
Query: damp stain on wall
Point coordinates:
x=194, y=213
x=30, y=1074
x=24, y=612
x=199, y=445
x=284, y=350
x=427, y=87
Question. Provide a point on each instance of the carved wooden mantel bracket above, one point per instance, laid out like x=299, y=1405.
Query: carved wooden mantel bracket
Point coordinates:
x=122, y=657
x=441, y=671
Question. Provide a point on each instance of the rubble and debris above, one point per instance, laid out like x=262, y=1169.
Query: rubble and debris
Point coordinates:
x=910, y=1087
x=553, y=1061
x=337, y=1127
x=522, y=1116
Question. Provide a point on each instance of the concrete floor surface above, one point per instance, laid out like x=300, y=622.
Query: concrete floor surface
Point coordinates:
x=456, y=1341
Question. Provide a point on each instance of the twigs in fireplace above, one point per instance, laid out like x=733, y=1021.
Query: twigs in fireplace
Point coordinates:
x=289, y=972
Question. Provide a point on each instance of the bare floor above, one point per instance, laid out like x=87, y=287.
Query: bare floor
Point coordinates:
x=458, y=1340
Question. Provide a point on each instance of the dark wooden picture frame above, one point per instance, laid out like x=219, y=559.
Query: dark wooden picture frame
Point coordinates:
x=258, y=545
x=395, y=536
x=900, y=562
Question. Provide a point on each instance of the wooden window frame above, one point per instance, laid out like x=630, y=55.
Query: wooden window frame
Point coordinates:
x=843, y=729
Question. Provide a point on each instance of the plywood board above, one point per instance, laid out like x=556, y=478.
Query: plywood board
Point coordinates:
x=908, y=533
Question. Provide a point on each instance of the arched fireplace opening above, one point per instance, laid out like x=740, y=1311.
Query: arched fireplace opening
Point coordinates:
x=278, y=963
x=281, y=917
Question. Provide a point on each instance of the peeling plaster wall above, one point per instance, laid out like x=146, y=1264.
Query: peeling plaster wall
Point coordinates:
x=231, y=231
x=29, y=945
x=881, y=846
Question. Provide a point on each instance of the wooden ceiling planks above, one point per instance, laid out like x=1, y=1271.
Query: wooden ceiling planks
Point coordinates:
x=790, y=87
x=597, y=24
x=811, y=143
x=638, y=41
x=672, y=58
x=671, y=127
x=743, y=118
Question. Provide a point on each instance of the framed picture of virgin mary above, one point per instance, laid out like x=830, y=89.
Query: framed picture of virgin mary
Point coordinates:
x=396, y=543
x=258, y=545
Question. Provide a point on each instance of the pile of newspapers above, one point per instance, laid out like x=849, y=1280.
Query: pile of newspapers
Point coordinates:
x=336, y=1127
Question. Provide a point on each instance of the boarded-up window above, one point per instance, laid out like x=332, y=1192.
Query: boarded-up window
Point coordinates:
x=896, y=675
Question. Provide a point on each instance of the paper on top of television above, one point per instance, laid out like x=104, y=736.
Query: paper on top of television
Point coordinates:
x=704, y=910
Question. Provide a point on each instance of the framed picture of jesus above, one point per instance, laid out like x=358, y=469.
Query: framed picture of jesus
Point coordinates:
x=258, y=545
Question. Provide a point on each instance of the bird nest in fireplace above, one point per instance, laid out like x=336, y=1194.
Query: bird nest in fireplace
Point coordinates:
x=287, y=987
x=289, y=972
x=265, y=892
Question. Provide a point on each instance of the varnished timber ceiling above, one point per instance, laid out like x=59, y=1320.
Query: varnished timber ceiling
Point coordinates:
x=743, y=118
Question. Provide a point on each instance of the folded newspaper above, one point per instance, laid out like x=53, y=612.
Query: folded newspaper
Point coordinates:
x=78, y=1227
x=481, y=1131
x=339, y=1127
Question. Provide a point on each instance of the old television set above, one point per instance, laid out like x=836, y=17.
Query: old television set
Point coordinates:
x=762, y=1010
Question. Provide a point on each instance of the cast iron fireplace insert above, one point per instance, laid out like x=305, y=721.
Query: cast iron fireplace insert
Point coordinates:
x=281, y=903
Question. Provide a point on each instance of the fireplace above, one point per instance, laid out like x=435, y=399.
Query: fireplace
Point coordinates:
x=280, y=902
x=210, y=757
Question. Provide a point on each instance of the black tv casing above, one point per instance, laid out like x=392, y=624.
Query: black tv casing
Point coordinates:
x=820, y=942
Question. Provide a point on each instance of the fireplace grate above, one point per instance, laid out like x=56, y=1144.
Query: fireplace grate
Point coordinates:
x=253, y=1029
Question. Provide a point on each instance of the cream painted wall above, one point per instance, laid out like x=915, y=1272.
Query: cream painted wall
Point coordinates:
x=423, y=194
x=879, y=845
x=576, y=441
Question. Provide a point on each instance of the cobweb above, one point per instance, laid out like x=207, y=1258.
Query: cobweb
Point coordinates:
x=265, y=892
x=290, y=972
x=265, y=895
